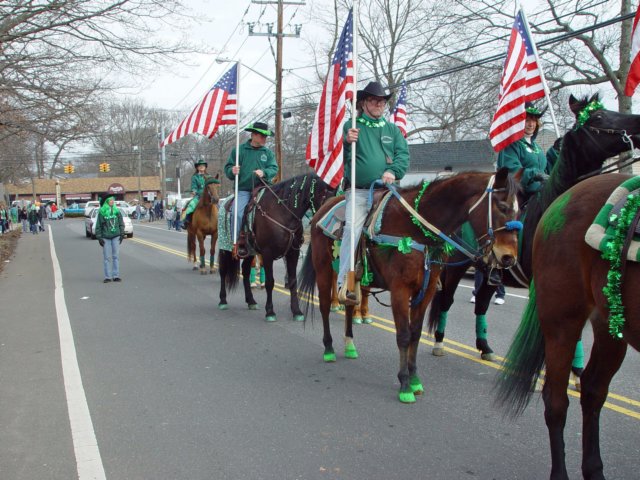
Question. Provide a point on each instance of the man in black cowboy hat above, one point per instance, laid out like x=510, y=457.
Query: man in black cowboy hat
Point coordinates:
x=197, y=186
x=527, y=154
x=381, y=154
x=256, y=163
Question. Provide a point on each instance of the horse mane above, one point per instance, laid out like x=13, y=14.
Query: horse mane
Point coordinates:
x=295, y=189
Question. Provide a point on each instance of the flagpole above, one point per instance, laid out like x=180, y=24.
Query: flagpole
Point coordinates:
x=547, y=92
x=351, y=275
x=235, y=201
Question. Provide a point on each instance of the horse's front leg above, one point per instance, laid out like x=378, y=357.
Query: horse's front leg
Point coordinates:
x=400, y=309
x=483, y=299
x=335, y=304
x=212, y=252
x=324, y=276
x=246, y=283
x=291, y=260
x=269, y=283
x=201, y=238
x=222, y=305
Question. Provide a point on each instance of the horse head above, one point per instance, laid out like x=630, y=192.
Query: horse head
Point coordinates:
x=210, y=193
x=495, y=212
x=598, y=134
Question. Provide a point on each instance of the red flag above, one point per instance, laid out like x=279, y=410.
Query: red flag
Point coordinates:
x=399, y=115
x=324, y=150
x=218, y=107
x=521, y=82
x=634, y=70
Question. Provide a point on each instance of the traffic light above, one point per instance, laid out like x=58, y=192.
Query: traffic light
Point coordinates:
x=105, y=167
x=69, y=168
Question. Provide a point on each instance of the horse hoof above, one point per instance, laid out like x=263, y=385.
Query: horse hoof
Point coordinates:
x=194, y=268
x=350, y=351
x=406, y=397
x=576, y=382
x=329, y=357
x=367, y=320
x=489, y=357
x=298, y=318
x=438, y=350
x=335, y=308
x=212, y=271
x=270, y=318
x=357, y=320
x=253, y=306
x=223, y=306
x=416, y=385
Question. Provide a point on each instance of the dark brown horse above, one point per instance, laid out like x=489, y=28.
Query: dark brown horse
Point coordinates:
x=204, y=222
x=276, y=214
x=411, y=277
x=583, y=151
x=553, y=321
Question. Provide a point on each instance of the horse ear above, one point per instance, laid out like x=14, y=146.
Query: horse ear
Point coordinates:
x=574, y=104
x=518, y=175
x=501, y=176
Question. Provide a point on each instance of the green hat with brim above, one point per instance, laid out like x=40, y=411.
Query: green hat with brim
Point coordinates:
x=201, y=162
x=531, y=110
x=259, y=127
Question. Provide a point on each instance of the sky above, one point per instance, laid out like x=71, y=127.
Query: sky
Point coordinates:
x=182, y=87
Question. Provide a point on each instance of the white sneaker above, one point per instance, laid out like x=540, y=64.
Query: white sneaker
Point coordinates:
x=498, y=301
x=472, y=299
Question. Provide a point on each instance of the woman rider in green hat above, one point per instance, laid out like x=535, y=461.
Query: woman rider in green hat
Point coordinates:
x=197, y=186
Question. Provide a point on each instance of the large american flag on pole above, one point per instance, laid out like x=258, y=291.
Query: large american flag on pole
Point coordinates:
x=521, y=82
x=399, y=115
x=633, y=78
x=218, y=107
x=324, y=149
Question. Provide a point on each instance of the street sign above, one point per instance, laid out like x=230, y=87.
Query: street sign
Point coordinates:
x=168, y=179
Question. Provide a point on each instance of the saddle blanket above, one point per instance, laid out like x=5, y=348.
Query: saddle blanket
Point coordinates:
x=602, y=231
x=333, y=221
x=225, y=226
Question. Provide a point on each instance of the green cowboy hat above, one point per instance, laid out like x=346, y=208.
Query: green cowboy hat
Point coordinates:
x=532, y=111
x=201, y=162
x=259, y=127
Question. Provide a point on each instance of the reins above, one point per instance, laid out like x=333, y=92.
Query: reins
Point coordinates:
x=626, y=138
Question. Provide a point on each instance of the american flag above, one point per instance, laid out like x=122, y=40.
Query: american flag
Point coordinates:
x=521, y=82
x=633, y=78
x=218, y=107
x=324, y=150
x=399, y=115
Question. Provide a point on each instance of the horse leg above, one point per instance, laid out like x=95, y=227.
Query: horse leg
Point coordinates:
x=335, y=304
x=400, y=307
x=212, y=253
x=364, y=306
x=415, y=329
x=201, y=238
x=607, y=355
x=350, y=350
x=248, y=294
x=291, y=260
x=441, y=304
x=269, y=283
x=222, y=305
x=325, y=280
x=483, y=299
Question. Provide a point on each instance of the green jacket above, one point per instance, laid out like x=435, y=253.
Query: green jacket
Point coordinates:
x=109, y=227
x=379, y=149
x=251, y=159
x=529, y=156
x=197, y=183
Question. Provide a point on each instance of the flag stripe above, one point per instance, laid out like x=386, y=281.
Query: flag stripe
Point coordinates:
x=217, y=107
x=399, y=116
x=324, y=148
x=521, y=83
x=633, y=78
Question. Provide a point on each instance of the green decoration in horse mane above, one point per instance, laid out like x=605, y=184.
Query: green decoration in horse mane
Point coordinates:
x=612, y=252
x=209, y=180
x=441, y=248
x=586, y=112
x=554, y=219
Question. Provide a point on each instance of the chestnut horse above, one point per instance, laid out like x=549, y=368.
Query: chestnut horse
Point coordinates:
x=553, y=321
x=411, y=274
x=276, y=214
x=596, y=137
x=204, y=222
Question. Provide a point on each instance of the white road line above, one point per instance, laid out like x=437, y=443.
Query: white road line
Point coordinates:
x=85, y=445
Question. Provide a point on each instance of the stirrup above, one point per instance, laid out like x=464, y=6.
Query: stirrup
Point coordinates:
x=350, y=298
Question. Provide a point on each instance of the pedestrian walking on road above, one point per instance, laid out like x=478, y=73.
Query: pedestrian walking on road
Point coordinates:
x=23, y=216
x=110, y=233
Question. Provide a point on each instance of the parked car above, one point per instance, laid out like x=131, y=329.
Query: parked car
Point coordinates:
x=90, y=206
x=130, y=209
x=90, y=224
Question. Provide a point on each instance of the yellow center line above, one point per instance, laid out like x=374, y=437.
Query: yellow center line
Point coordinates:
x=384, y=325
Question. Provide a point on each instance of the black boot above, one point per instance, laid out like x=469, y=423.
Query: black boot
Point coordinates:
x=187, y=221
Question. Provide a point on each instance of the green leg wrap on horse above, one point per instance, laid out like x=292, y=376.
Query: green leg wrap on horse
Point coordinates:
x=416, y=385
x=578, y=357
x=481, y=326
x=407, y=397
x=329, y=356
x=252, y=275
x=211, y=260
x=350, y=351
x=442, y=322
x=262, y=275
x=202, y=261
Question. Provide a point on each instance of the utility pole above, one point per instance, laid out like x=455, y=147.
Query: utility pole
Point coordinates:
x=279, y=37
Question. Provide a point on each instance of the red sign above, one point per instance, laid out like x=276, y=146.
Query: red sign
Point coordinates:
x=116, y=189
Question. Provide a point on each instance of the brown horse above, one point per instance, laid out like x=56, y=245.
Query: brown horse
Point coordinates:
x=553, y=321
x=411, y=273
x=204, y=222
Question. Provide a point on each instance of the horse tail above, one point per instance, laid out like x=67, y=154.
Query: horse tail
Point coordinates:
x=435, y=309
x=517, y=380
x=191, y=246
x=228, y=267
x=307, y=282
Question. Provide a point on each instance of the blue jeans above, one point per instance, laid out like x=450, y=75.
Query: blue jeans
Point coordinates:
x=241, y=204
x=111, y=257
x=361, y=197
x=25, y=225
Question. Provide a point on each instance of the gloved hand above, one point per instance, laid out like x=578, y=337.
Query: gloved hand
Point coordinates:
x=121, y=238
x=101, y=242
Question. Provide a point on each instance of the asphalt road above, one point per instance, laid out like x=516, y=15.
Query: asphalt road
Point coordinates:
x=176, y=389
